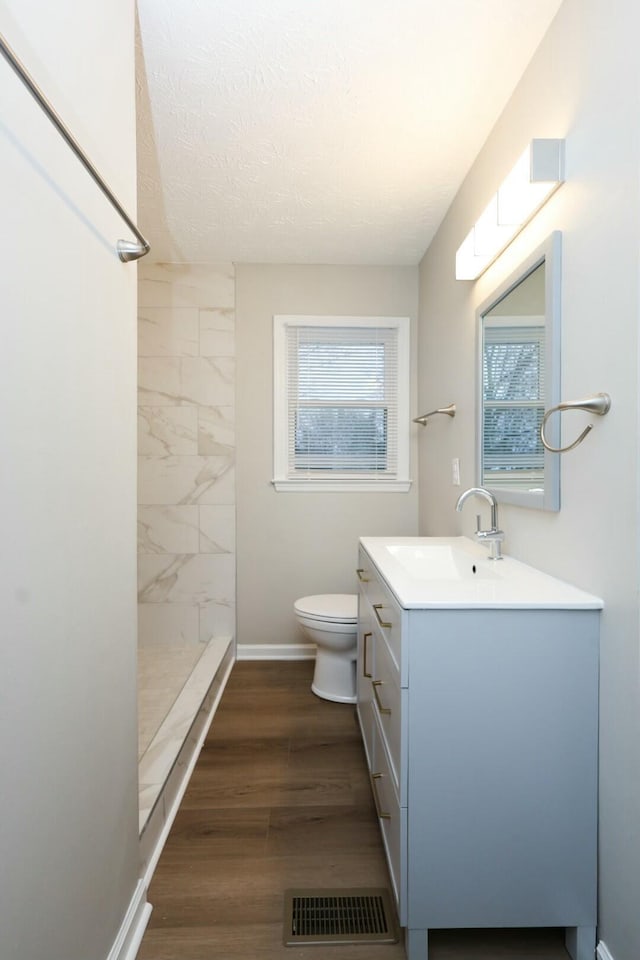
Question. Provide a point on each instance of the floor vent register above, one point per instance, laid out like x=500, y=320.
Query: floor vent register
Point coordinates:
x=339, y=916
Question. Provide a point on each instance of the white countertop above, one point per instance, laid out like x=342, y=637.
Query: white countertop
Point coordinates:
x=456, y=572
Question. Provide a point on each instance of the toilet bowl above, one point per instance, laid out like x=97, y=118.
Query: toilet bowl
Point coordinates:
x=330, y=621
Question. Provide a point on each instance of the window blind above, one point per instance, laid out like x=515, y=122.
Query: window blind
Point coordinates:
x=513, y=387
x=342, y=388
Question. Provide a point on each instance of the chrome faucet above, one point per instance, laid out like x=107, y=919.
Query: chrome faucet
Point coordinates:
x=494, y=536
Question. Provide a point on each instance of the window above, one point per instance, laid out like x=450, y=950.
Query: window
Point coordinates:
x=341, y=403
x=513, y=400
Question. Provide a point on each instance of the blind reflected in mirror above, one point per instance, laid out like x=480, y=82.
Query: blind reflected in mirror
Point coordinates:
x=518, y=380
x=513, y=387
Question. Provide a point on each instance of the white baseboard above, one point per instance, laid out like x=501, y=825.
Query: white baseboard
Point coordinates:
x=603, y=952
x=125, y=946
x=276, y=651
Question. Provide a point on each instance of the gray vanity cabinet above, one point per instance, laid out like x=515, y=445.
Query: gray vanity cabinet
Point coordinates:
x=480, y=728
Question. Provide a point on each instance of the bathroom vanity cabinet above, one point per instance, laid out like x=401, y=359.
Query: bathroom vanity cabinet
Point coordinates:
x=480, y=728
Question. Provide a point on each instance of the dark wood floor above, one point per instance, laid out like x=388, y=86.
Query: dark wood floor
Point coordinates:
x=280, y=798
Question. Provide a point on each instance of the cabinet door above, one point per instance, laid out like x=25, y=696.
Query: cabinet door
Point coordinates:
x=364, y=675
x=392, y=819
x=387, y=699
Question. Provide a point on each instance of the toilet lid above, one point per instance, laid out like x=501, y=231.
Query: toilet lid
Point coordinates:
x=341, y=607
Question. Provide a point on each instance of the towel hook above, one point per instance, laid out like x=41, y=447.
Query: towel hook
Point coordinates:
x=600, y=404
x=449, y=410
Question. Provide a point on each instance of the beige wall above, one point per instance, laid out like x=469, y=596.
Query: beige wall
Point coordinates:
x=581, y=85
x=69, y=797
x=186, y=447
x=294, y=544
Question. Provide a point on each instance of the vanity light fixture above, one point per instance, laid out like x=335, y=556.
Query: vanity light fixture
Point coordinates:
x=536, y=175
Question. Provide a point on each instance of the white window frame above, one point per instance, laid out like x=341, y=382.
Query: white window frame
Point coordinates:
x=282, y=480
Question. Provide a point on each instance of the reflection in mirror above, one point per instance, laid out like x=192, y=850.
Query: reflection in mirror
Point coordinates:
x=519, y=379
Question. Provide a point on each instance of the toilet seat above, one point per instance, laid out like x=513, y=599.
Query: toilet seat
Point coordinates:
x=330, y=607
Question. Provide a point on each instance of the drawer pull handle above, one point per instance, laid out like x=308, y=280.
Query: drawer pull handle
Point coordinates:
x=384, y=710
x=374, y=777
x=383, y=623
x=362, y=579
x=365, y=672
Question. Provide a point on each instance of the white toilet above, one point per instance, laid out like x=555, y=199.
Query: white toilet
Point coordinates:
x=330, y=621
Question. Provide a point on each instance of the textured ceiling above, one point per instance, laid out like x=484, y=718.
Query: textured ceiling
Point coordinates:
x=317, y=131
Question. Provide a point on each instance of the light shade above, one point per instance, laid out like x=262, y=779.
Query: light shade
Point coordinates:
x=536, y=175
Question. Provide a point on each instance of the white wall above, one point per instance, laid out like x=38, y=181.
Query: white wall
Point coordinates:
x=68, y=802
x=582, y=85
x=294, y=544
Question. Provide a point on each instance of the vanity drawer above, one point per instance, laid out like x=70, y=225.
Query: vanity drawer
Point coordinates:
x=364, y=676
x=365, y=571
x=387, y=699
x=386, y=612
x=392, y=819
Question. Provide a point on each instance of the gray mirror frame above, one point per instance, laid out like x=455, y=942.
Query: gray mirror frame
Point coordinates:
x=549, y=253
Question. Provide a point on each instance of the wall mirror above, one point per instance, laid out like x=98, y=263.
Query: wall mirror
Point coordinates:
x=518, y=379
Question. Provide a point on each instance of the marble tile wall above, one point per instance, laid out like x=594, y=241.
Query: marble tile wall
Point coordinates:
x=186, y=446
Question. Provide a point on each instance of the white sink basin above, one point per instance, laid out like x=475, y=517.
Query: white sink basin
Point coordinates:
x=441, y=561
x=457, y=572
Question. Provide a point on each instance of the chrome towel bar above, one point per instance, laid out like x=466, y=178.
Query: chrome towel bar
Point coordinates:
x=450, y=411
x=127, y=249
x=600, y=404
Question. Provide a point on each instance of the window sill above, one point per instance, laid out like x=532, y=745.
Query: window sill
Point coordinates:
x=342, y=486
